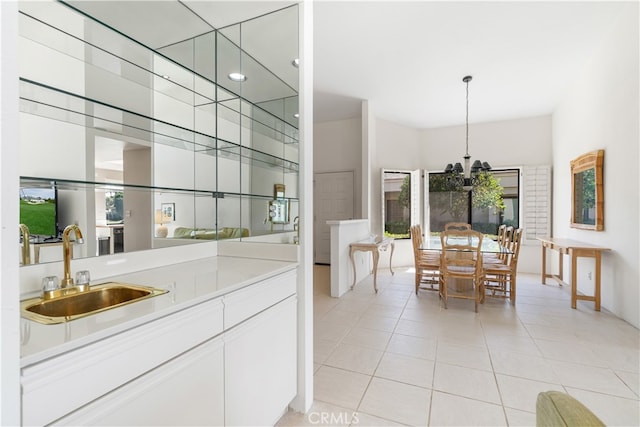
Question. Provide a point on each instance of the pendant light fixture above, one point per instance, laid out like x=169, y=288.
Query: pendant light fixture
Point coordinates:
x=467, y=174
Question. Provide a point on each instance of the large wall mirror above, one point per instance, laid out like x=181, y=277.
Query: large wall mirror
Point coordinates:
x=120, y=126
x=587, y=191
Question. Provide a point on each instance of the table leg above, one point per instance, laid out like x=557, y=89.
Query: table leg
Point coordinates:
x=560, y=266
x=391, y=258
x=544, y=264
x=353, y=263
x=598, y=256
x=574, y=284
x=376, y=256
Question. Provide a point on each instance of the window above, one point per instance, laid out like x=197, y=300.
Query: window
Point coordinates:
x=493, y=202
x=114, y=207
x=396, y=203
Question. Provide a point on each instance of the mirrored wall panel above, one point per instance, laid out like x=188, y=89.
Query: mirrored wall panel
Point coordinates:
x=147, y=139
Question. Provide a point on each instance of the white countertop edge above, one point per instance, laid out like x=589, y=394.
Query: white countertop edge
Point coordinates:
x=138, y=320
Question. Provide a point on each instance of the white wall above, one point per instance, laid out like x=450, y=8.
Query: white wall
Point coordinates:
x=9, y=292
x=600, y=111
x=505, y=143
x=397, y=147
x=511, y=143
x=337, y=148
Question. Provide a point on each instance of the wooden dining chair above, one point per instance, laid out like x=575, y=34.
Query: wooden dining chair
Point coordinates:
x=461, y=262
x=457, y=226
x=427, y=263
x=502, y=232
x=500, y=277
x=504, y=241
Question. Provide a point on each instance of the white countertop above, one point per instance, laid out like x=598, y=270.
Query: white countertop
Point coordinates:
x=189, y=283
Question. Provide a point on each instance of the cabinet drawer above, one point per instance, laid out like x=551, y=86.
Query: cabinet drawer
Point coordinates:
x=244, y=303
x=186, y=391
x=55, y=387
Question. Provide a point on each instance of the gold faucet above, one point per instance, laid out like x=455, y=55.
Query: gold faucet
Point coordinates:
x=67, y=254
x=26, y=250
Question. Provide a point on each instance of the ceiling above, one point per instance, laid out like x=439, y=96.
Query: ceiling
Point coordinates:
x=408, y=58
x=269, y=44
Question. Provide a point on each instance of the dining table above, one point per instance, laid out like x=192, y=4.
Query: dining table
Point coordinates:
x=433, y=243
x=488, y=246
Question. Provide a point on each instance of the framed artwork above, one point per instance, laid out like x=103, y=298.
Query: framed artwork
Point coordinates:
x=169, y=212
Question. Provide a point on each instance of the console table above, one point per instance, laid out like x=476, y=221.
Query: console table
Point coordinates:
x=575, y=249
x=374, y=246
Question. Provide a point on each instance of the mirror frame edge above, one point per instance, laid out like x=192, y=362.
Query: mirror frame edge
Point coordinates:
x=593, y=159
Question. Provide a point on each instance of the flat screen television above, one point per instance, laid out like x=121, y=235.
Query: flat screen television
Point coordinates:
x=39, y=211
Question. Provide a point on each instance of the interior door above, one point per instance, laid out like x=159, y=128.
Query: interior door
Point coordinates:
x=333, y=200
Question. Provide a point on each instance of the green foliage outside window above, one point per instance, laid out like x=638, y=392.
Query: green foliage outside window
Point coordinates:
x=487, y=193
x=588, y=189
x=404, y=198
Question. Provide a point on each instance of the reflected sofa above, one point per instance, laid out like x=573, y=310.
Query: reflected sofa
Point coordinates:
x=209, y=233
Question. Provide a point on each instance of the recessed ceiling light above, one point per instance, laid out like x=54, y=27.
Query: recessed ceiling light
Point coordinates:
x=237, y=77
x=296, y=62
x=296, y=115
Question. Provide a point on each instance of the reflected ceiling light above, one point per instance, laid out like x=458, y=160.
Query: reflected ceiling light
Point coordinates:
x=237, y=77
x=467, y=174
x=296, y=62
x=296, y=115
x=164, y=76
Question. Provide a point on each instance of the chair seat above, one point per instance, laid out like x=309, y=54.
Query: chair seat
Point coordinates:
x=495, y=267
x=430, y=259
x=460, y=271
x=491, y=258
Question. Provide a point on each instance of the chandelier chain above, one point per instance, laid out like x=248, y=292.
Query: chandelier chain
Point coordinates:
x=467, y=119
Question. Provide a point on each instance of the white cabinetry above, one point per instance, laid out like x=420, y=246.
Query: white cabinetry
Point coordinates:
x=186, y=391
x=260, y=367
x=57, y=386
x=226, y=361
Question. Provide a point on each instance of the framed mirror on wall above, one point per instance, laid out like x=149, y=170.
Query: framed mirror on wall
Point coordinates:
x=587, y=191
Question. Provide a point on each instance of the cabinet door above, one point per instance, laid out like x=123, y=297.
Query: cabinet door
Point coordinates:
x=188, y=390
x=260, y=366
x=90, y=372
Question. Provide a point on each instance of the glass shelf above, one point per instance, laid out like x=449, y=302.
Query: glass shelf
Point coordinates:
x=144, y=70
x=44, y=101
x=71, y=184
x=100, y=109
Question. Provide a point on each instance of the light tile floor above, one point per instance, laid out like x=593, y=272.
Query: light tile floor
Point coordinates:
x=394, y=358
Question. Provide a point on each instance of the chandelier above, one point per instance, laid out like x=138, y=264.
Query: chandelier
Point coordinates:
x=467, y=176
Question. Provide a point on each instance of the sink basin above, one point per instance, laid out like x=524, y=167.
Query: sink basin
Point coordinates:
x=97, y=299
